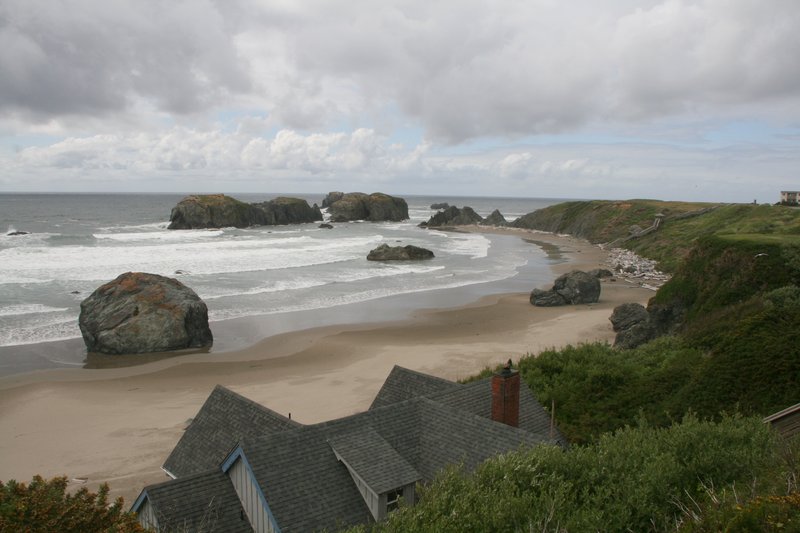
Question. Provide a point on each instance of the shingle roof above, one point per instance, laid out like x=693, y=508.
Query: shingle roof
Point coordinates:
x=404, y=384
x=416, y=426
x=476, y=397
x=309, y=489
x=201, y=502
x=374, y=460
x=225, y=419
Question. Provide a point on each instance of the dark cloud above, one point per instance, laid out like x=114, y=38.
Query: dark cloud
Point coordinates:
x=95, y=57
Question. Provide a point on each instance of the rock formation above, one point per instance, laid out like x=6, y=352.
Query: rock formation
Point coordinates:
x=141, y=313
x=495, y=219
x=635, y=325
x=375, y=207
x=576, y=287
x=384, y=252
x=440, y=205
x=453, y=216
x=220, y=211
x=17, y=232
x=601, y=273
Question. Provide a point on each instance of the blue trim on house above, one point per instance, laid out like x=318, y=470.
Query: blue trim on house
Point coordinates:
x=139, y=501
x=238, y=453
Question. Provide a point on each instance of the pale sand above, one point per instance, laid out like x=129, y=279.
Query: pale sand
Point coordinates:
x=119, y=425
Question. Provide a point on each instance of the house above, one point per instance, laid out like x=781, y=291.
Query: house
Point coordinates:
x=790, y=197
x=243, y=467
x=786, y=422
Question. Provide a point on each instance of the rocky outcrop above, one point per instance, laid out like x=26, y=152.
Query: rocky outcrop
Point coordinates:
x=496, y=218
x=384, y=252
x=142, y=313
x=375, y=207
x=220, y=211
x=325, y=225
x=16, y=233
x=601, y=273
x=453, y=216
x=440, y=205
x=636, y=325
x=576, y=287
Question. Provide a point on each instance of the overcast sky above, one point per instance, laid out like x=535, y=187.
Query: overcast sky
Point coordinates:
x=669, y=99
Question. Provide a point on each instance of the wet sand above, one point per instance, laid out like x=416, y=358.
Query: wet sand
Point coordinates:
x=118, y=425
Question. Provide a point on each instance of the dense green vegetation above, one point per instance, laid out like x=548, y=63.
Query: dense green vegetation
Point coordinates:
x=46, y=506
x=635, y=479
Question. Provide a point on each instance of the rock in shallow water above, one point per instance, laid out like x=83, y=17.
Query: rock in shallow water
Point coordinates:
x=384, y=252
x=142, y=313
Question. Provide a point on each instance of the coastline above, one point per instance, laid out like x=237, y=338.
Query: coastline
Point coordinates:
x=118, y=425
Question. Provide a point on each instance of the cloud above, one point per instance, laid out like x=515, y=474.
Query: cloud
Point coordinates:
x=96, y=57
x=463, y=70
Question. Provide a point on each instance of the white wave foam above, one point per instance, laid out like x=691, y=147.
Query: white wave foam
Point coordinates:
x=29, y=309
x=470, y=244
x=200, y=257
x=133, y=228
x=41, y=330
x=169, y=235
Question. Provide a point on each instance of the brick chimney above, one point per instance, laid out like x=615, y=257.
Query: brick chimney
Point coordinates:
x=505, y=396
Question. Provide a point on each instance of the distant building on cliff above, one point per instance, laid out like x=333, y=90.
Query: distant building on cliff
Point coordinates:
x=242, y=467
x=790, y=197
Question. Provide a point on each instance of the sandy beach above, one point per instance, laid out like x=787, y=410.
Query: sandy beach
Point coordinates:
x=118, y=425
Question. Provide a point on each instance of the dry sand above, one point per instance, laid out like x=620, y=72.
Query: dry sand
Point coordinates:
x=119, y=425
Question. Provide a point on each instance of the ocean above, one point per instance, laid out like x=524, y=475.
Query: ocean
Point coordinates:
x=256, y=281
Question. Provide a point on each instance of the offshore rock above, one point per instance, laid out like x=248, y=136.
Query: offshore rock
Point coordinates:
x=576, y=287
x=440, y=205
x=142, y=313
x=220, y=211
x=453, y=216
x=375, y=207
x=494, y=219
x=384, y=252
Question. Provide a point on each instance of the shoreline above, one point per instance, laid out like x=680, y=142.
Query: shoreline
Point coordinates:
x=118, y=425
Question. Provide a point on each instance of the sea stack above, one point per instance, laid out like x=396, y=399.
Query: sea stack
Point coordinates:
x=141, y=313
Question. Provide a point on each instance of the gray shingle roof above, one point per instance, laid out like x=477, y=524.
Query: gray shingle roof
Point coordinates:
x=374, y=460
x=308, y=489
x=225, y=419
x=201, y=502
x=476, y=397
x=416, y=426
x=404, y=384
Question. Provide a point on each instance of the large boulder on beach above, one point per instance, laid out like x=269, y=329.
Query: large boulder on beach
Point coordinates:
x=576, y=287
x=141, y=313
x=384, y=252
x=375, y=207
x=220, y=211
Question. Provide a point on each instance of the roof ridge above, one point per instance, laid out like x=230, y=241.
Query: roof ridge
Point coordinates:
x=225, y=390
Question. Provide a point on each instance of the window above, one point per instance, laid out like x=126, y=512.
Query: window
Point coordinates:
x=393, y=499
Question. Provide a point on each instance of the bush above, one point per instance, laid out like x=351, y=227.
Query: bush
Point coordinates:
x=45, y=506
x=636, y=479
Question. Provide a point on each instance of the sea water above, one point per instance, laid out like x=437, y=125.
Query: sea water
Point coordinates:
x=291, y=275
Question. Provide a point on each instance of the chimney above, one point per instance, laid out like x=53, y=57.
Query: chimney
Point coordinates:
x=505, y=396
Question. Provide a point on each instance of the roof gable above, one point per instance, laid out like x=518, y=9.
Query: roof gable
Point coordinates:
x=374, y=460
x=225, y=419
x=201, y=502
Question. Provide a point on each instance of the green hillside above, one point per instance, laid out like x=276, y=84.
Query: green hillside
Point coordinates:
x=601, y=221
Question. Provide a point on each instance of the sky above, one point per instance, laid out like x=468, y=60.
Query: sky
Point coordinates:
x=667, y=99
